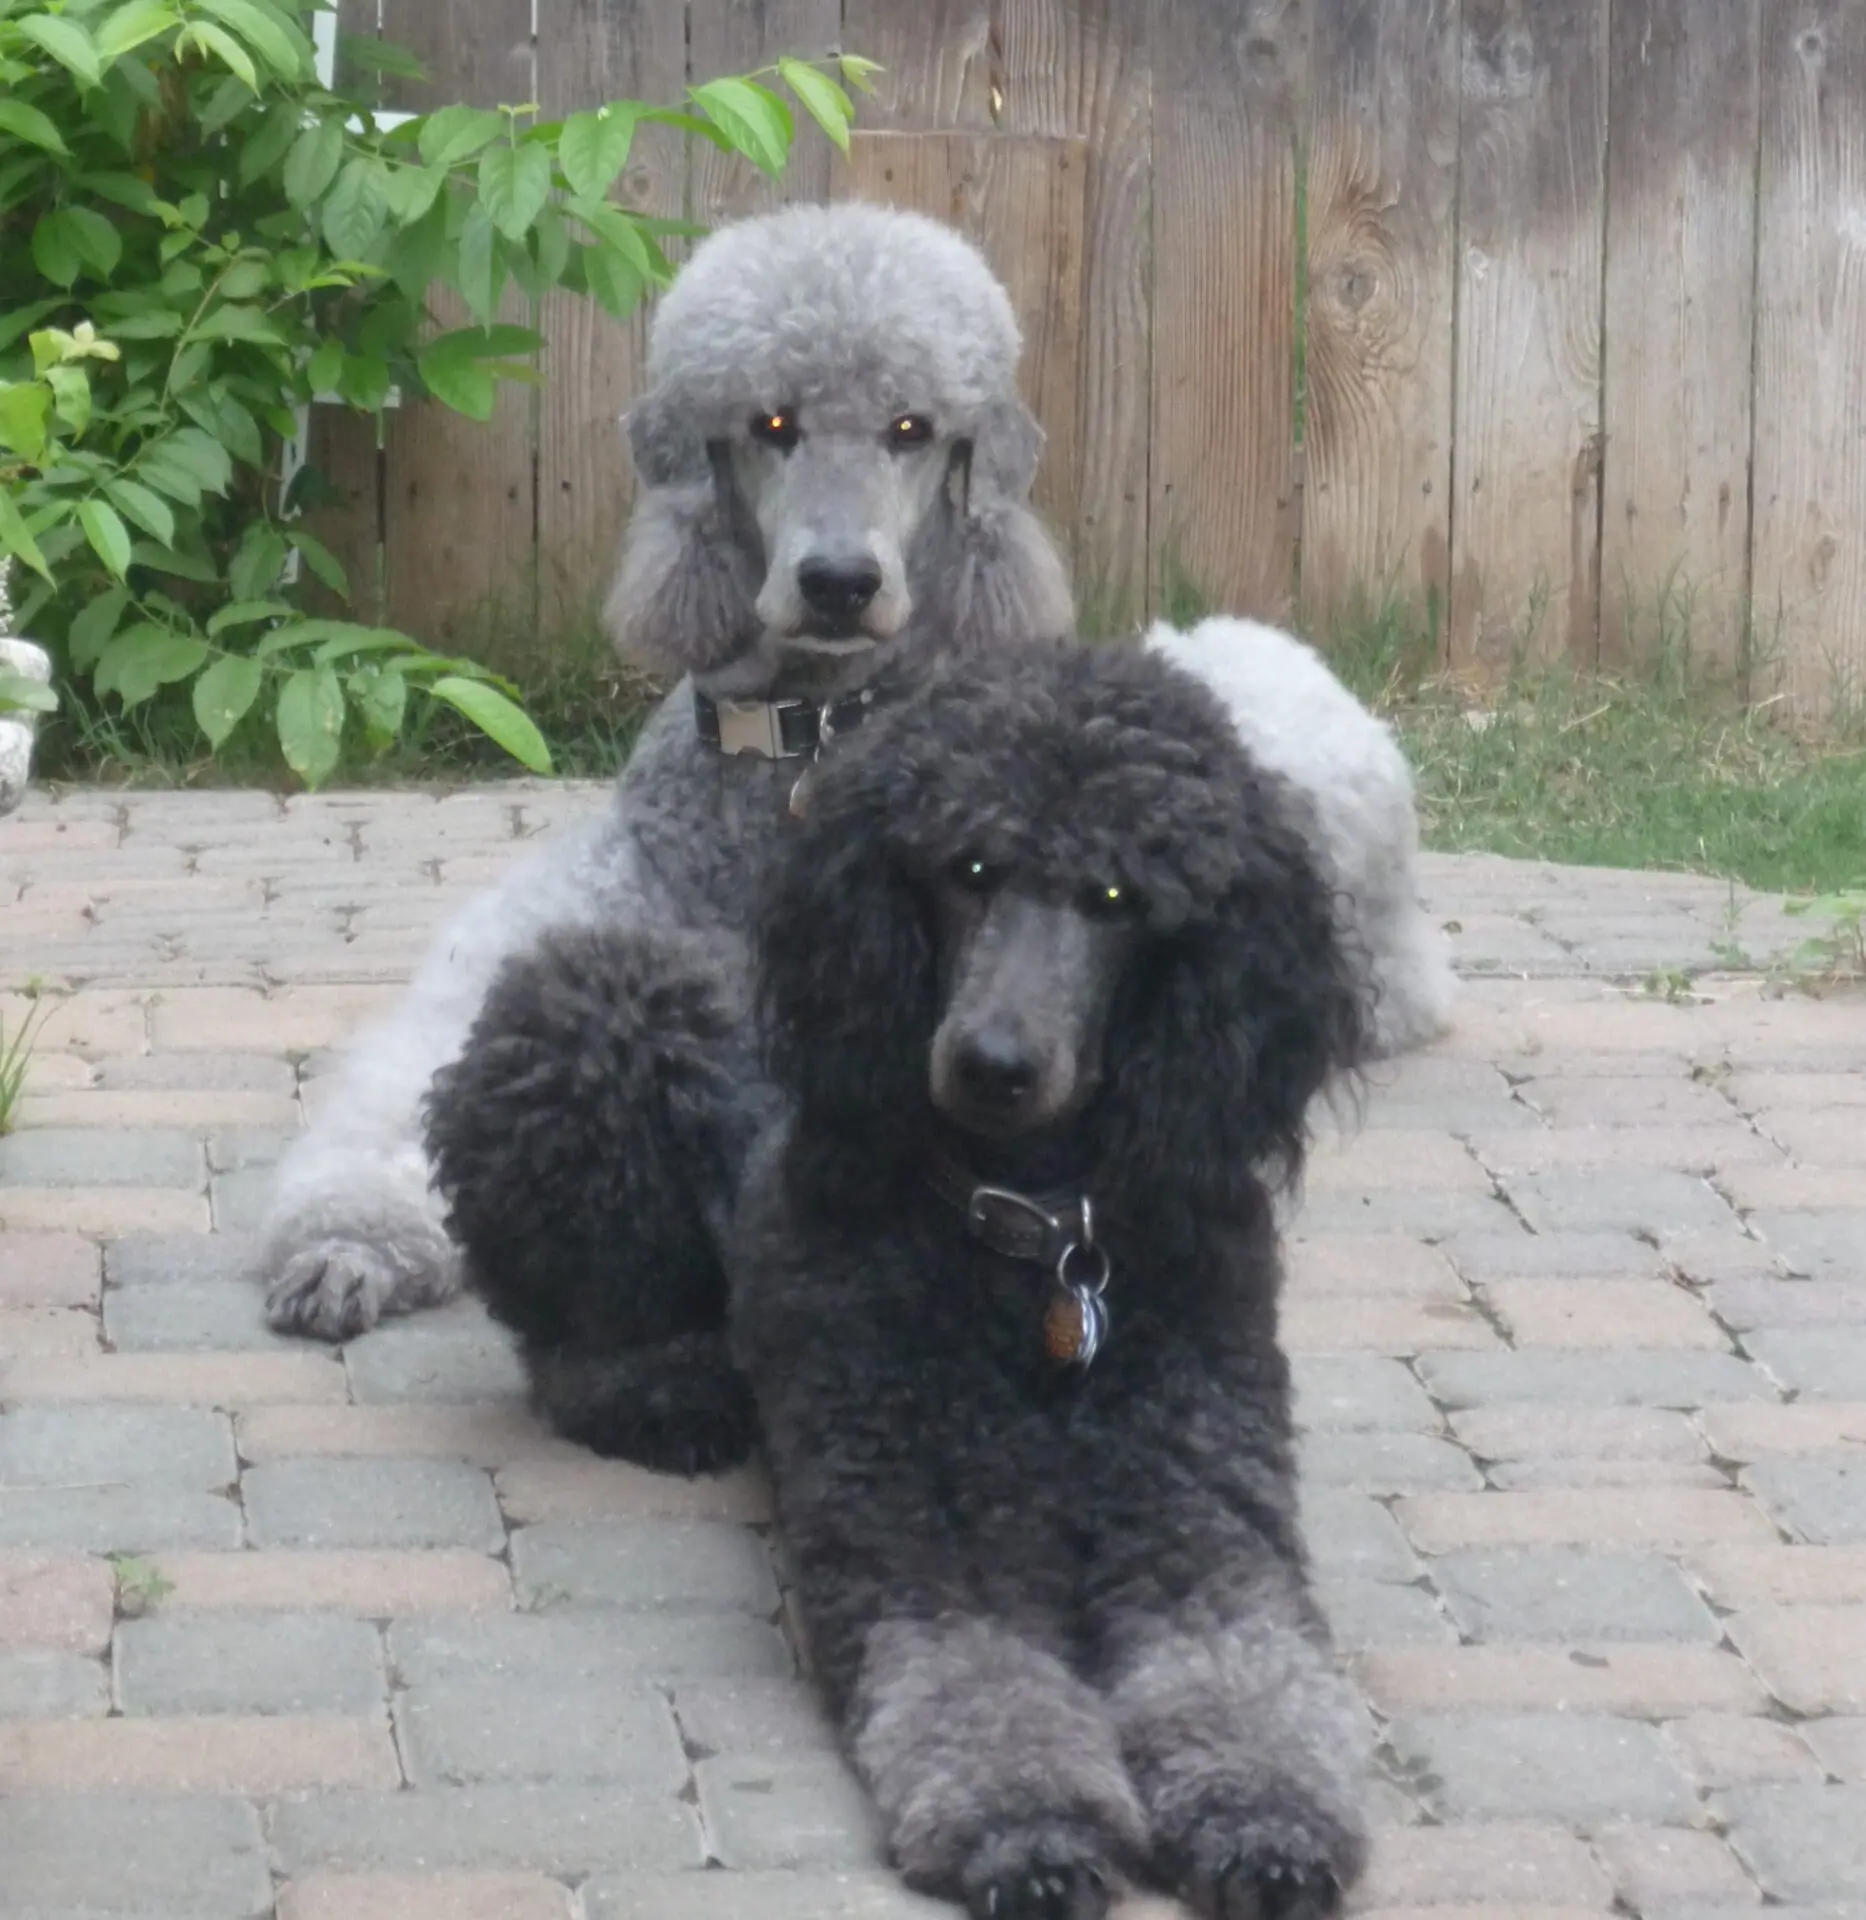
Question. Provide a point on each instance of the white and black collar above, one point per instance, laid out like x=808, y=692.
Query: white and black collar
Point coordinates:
x=793, y=729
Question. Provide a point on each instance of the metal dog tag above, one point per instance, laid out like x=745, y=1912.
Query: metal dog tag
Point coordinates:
x=1074, y=1326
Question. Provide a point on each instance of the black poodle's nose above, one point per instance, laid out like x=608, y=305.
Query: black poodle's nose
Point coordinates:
x=838, y=589
x=994, y=1070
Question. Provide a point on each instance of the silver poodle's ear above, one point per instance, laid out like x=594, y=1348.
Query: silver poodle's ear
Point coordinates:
x=664, y=441
x=1005, y=450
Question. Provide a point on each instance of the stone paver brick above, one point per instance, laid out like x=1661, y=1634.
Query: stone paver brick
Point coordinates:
x=487, y=1436
x=235, y=1148
x=1698, y=1151
x=190, y=1379
x=1580, y=1768
x=207, y=1316
x=1745, y=1577
x=1556, y=1256
x=424, y=1896
x=1385, y=1462
x=237, y=1020
x=1462, y=1866
x=804, y=1811
x=1646, y=1377
x=1820, y=1497
x=133, y=1852
x=1431, y=1212
x=570, y=1829
x=1829, y=1364
x=1801, y=1842
x=1813, y=1659
x=88, y=1022
x=73, y=1448
x=748, y=1715
x=51, y=1686
x=1343, y=1324
x=1637, y=1100
x=1708, y=1258
x=253, y=1755
x=1818, y=1246
x=1774, y=1302
x=371, y=1585
x=479, y=1729
x=1570, y=1594
x=1353, y=1536
x=1363, y=1265
x=1633, y=1517
x=283, y=1663
x=31, y=1330
x=1804, y=1189
x=239, y=1200
x=1645, y=1434
x=105, y=1210
x=1539, y=1476
x=84, y=1157
x=1634, y=1200
x=583, y=1487
x=1729, y=1749
x=180, y=1259
x=48, y=1270
x=458, y=1355
x=1656, y=1867
x=1603, y=1314
x=1393, y=1157
x=1839, y=1745
x=1650, y=1680
x=62, y=1603
x=809, y=1895
x=682, y=1565
x=259, y=1073
x=151, y=1108
x=1367, y=1614
x=1815, y=1136
x=372, y=1503
x=1359, y=1393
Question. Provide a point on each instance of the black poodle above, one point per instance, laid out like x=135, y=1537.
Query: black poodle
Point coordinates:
x=1050, y=979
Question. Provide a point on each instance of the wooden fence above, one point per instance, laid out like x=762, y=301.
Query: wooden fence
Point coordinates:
x=1546, y=315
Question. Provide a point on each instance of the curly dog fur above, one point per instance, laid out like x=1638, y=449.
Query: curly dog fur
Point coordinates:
x=1061, y=1614
x=845, y=320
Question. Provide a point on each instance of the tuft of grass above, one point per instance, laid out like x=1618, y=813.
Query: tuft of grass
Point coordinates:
x=141, y=1585
x=16, y=1052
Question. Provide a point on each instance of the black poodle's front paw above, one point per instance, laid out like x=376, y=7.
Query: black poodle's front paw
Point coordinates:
x=1285, y=1859
x=1267, y=1886
x=1043, y=1872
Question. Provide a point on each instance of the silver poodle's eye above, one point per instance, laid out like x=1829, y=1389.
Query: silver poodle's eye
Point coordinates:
x=777, y=428
x=1108, y=900
x=973, y=873
x=910, y=430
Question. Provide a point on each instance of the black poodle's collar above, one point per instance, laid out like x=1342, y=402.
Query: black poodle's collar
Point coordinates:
x=777, y=729
x=1054, y=1230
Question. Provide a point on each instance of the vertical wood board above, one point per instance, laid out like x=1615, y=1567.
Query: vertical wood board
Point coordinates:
x=939, y=62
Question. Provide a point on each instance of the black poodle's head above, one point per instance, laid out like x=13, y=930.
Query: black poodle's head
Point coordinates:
x=1050, y=905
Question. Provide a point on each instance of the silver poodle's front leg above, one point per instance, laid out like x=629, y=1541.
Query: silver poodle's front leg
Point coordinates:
x=1247, y=1746
x=997, y=1771
x=353, y=1230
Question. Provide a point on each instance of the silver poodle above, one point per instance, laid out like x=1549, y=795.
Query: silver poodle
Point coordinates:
x=835, y=468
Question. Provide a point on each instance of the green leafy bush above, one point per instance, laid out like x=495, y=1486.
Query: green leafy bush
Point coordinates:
x=196, y=236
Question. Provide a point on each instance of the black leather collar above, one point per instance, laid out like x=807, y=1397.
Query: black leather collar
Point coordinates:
x=1038, y=1227
x=777, y=729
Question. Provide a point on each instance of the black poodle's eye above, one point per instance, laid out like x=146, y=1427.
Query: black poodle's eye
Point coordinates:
x=777, y=428
x=910, y=430
x=973, y=873
x=1109, y=900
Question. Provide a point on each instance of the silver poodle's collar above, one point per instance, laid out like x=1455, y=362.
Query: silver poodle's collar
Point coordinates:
x=1054, y=1230
x=776, y=729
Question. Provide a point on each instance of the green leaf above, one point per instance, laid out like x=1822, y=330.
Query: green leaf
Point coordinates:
x=109, y=537
x=224, y=695
x=120, y=189
x=311, y=724
x=612, y=281
x=22, y=320
x=16, y=537
x=25, y=411
x=55, y=246
x=514, y=183
x=244, y=279
x=501, y=720
x=153, y=656
x=99, y=244
x=361, y=51
x=593, y=149
x=312, y=164
x=822, y=99
x=364, y=382
x=416, y=257
x=380, y=697
x=322, y=562
x=183, y=566
x=203, y=456
x=550, y=240
x=356, y=207
x=161, y=324
x=210, y=38
x=457, y=133
x=756, y=122
x=131, y=25
x=29, y=124
x=268, y=146
x=254, y=568
x=411, y=191
x=482, y=266
x=149, y=510
x=325, y=367
x=218, y=413
x=66, y=42
x=465, y=385
x=246, y=613
x=93, y=626
x=71, y=393
x=17, y=692
x=287, y=54
x=235, y=322
x=860, y=73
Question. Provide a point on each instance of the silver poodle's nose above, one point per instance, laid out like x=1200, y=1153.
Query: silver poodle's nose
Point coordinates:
x=994, y=1071
x=838, y=589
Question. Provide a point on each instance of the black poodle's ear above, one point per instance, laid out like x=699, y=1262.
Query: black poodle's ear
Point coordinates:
x=847, y=982
x=1006, y=446
x=664, y=442
x=1234, y=1029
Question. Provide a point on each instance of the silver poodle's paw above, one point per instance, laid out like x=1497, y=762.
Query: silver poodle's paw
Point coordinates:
x=335, y=1289
x=1044, y=1870
x=1268, y=1888
x=1266, y=1864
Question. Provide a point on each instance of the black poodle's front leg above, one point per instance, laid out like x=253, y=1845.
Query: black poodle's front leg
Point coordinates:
x=587, y=1143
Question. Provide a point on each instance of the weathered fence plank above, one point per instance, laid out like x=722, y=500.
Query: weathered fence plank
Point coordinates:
x=1227, y=76
x=1810, y=551
x=459, y=505
x=1681, y=238
x=1021, y=200
x=1526, y=505
x=1382, y=192
x=595, y=51
x=938, y=58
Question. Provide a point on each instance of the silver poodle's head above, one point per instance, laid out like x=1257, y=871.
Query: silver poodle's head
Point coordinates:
x=832, y=402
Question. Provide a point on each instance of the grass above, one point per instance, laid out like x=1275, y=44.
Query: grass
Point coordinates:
x=16, y=1054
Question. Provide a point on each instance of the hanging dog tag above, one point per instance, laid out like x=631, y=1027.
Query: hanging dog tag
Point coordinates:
x=800, y=793
x=1074, y=1326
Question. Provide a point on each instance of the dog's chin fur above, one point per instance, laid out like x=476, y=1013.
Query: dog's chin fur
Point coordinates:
x=1064, y=1620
